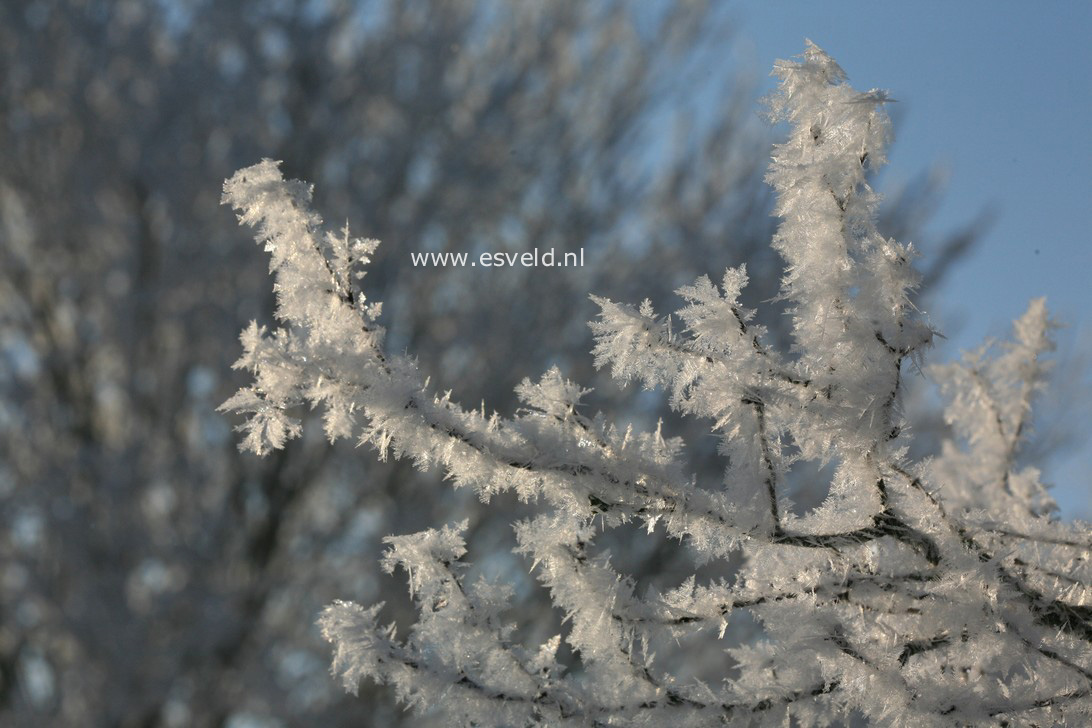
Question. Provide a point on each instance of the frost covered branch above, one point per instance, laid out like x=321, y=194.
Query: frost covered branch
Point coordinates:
x=936, y=592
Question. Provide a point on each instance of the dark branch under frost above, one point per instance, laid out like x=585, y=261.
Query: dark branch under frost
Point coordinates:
x=931, y=593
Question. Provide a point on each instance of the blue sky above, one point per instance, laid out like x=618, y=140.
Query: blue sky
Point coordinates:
x=998, y=95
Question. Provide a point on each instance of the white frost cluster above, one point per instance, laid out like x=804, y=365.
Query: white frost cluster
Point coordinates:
x=932, y=593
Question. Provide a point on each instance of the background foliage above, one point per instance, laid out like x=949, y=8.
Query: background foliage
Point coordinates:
x=151, y=574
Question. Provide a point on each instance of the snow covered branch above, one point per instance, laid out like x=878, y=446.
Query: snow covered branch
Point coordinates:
x=937, y=592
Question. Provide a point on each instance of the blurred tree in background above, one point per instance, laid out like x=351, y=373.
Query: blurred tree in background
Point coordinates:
x=149, y=573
